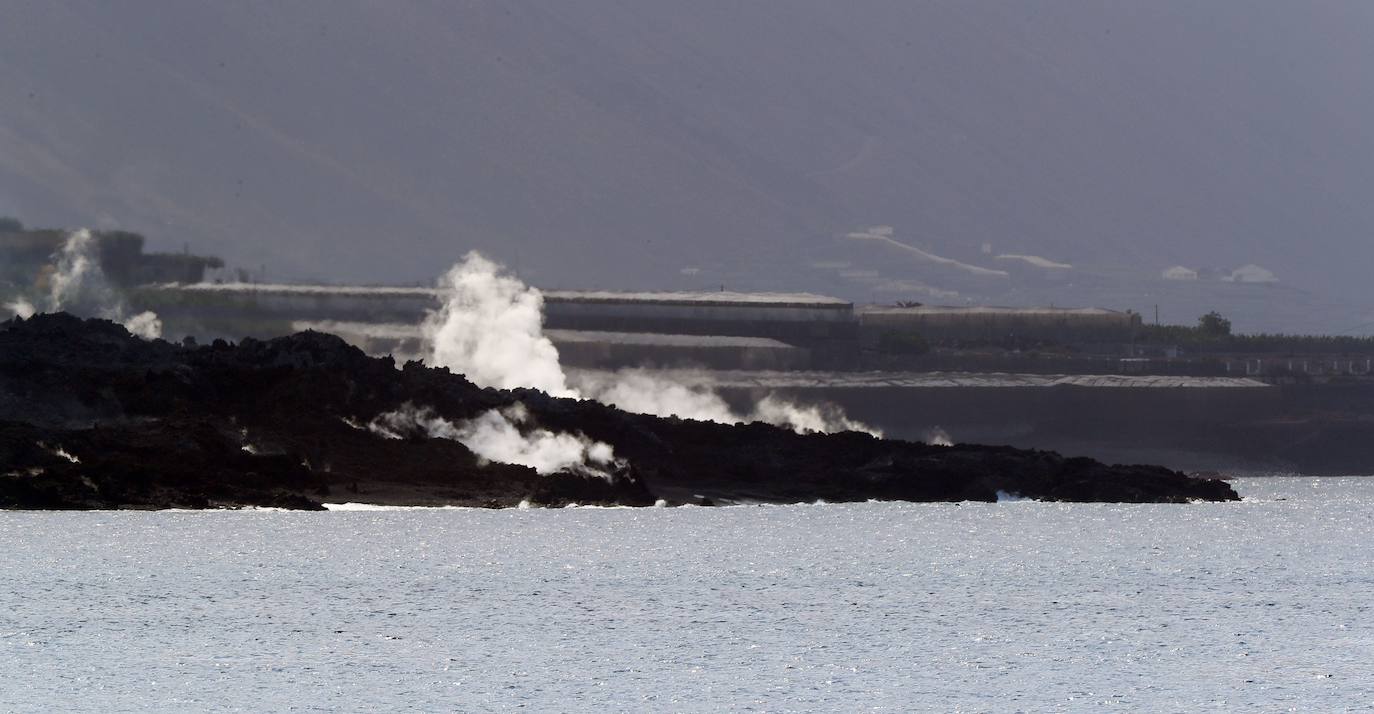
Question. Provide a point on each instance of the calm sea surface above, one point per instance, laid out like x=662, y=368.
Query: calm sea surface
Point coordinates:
x=1263, y=605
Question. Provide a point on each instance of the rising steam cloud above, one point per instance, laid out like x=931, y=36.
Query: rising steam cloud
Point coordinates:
x=937, y=436
x=78, y=285
x=658, y=393
x=21, y=308
x=490, y=328
x=496, y=435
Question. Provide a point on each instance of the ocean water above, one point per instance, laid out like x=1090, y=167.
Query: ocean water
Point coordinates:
x=1263, y=605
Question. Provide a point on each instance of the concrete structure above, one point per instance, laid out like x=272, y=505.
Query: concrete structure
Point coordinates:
x=824, y=326
x=594, y=350
x=235, y=310
x=938, y=323
x=1302, y=368
x=718, y=330
x=773, y=330
x=613, y=350
x=27, y=258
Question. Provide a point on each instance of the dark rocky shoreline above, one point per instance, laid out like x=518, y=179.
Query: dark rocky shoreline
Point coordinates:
x=92, y=417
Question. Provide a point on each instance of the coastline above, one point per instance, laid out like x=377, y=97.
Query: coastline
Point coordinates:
x=92, y=417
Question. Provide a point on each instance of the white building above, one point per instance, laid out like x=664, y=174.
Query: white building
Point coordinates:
x=1178, y=272
x=1251, y=274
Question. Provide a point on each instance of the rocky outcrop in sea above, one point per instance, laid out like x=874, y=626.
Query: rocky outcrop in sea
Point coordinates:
x=93, y=417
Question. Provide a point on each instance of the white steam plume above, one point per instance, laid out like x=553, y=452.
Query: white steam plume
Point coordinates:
x=806, y=419
x=658, y=393
x=691, y=395
x=495, y=436
x=79, y=277
x=78, y=285
x=145, y=324
x=490, y=328
x=21, y=308
x=938, y=437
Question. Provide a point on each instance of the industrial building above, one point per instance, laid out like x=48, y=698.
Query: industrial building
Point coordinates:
x=717, y=330
x=798, y=329
x=27, y=258
x=937, y=323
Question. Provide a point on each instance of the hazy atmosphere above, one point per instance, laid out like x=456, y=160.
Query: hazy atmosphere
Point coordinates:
x=707, y=355
x=1072, y=153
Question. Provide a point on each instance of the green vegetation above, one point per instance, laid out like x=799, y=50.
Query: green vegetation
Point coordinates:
x=1213, y=334
x=1214, y=325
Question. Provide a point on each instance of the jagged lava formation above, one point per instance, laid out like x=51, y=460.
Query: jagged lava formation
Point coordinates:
x=92, y=417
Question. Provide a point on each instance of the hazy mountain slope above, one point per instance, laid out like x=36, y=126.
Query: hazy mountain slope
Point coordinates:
x=596, y=142
x=403, y=134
